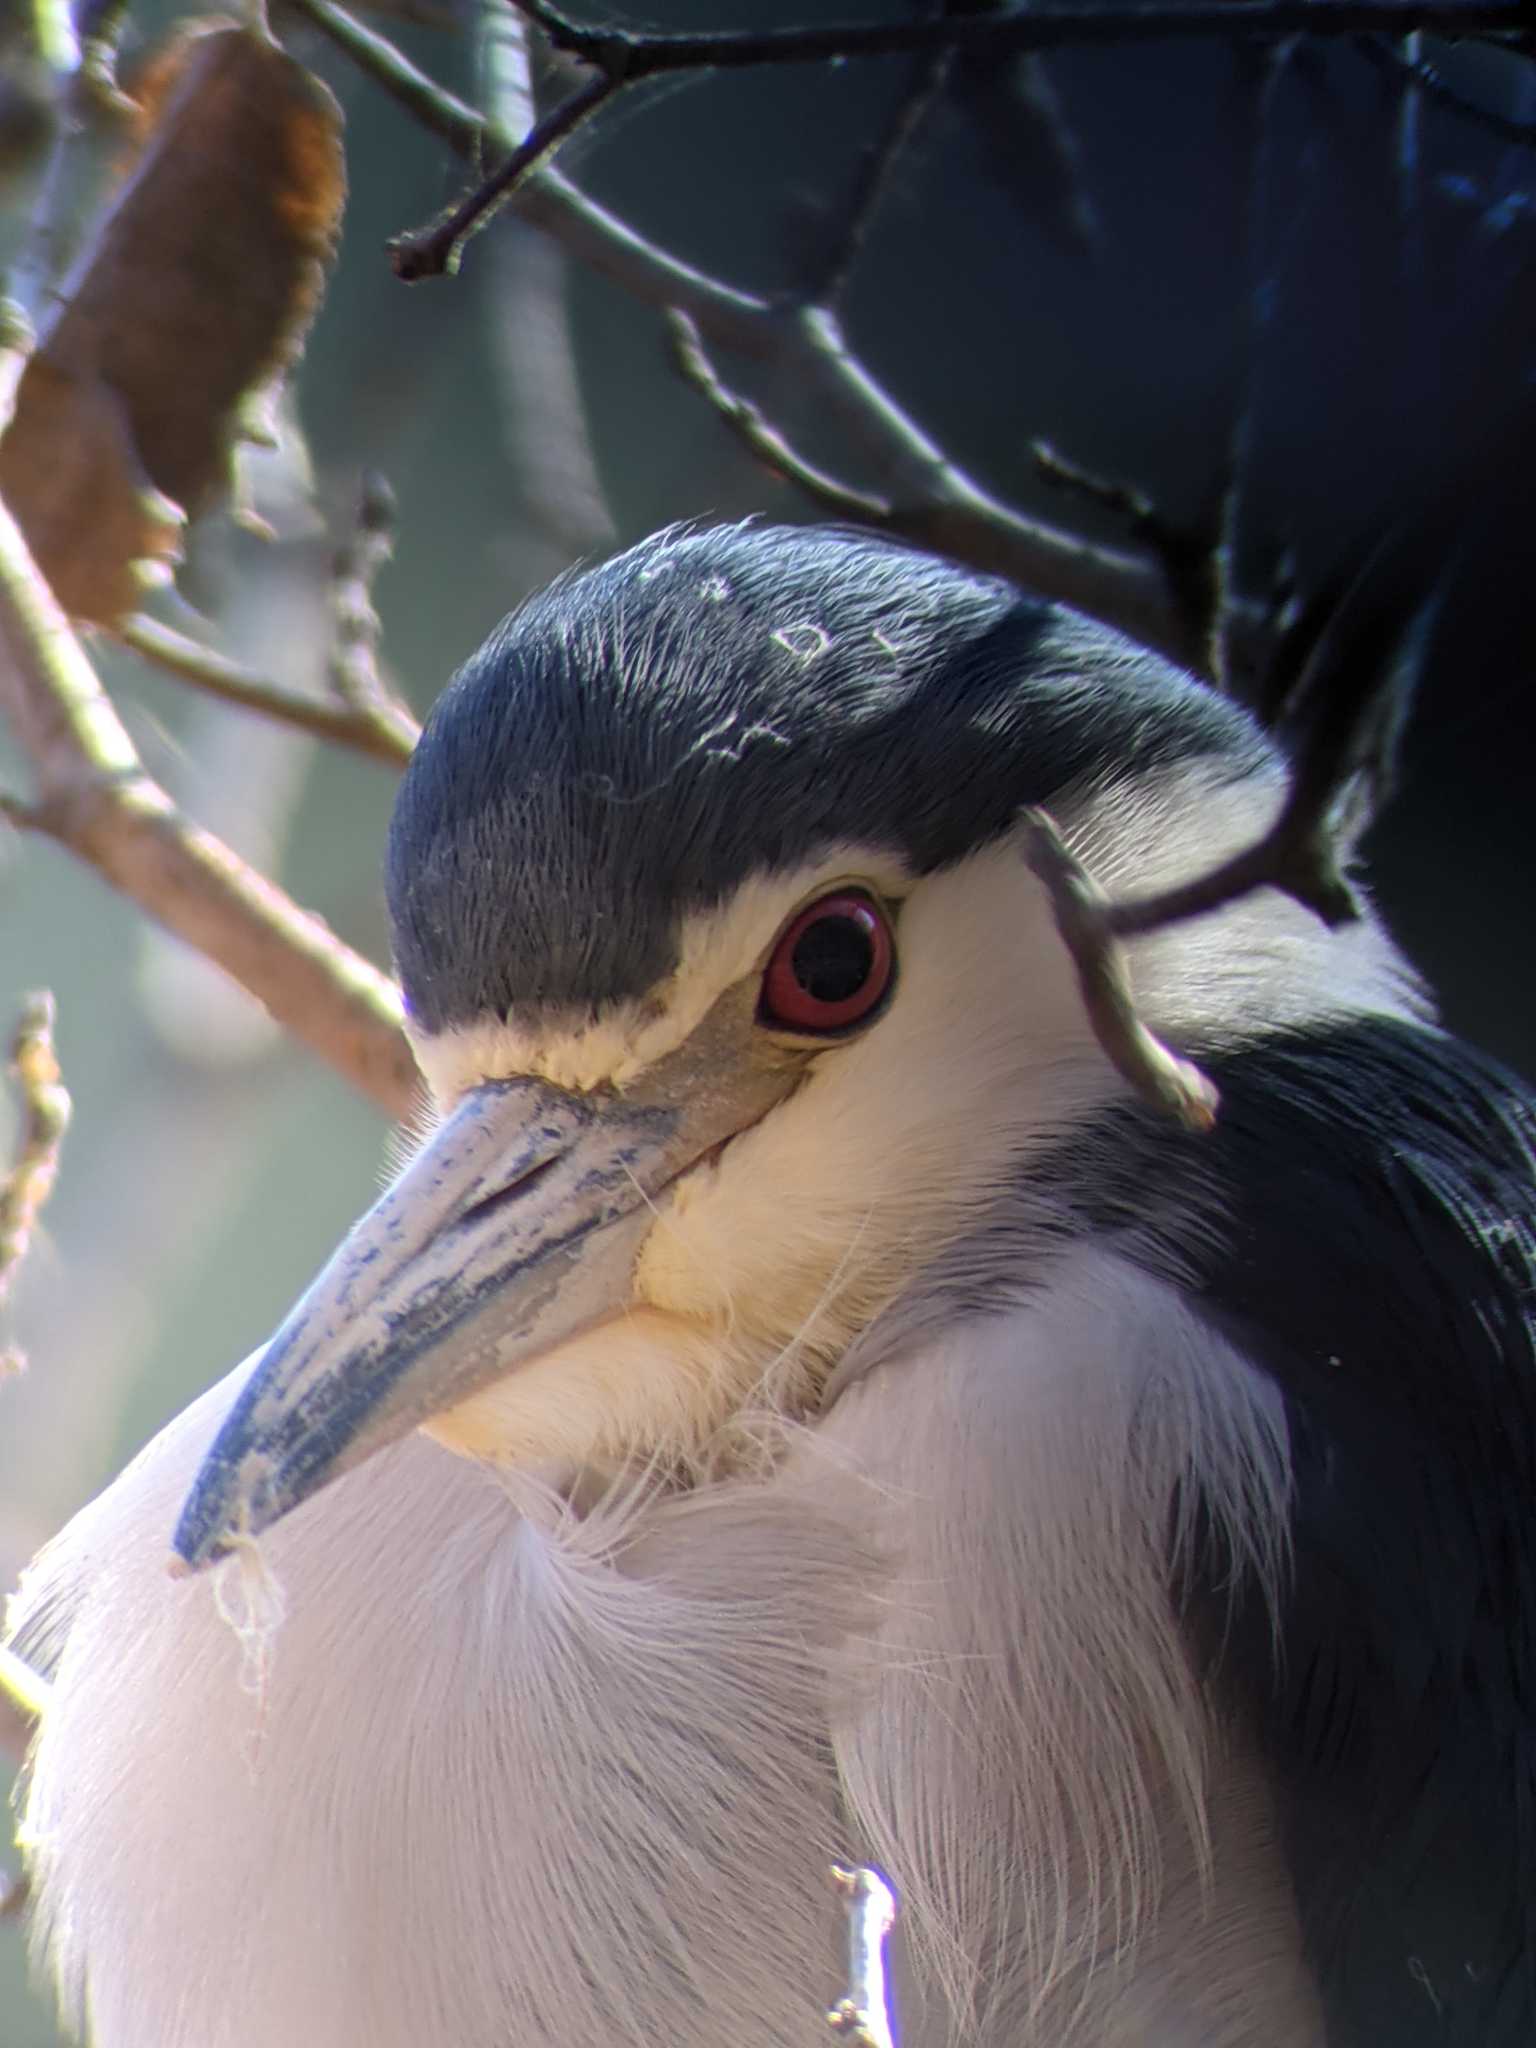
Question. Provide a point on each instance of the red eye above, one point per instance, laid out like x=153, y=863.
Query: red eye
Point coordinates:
x=830, y=968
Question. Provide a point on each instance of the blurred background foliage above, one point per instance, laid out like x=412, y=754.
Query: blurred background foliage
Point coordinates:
x=1188, y=252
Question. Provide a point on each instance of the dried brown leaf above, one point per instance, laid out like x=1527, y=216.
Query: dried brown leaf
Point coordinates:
x=70, y=472
x=191, y=301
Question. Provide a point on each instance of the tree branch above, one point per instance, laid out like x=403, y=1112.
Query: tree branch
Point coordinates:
x=628, y=56
x=861, y=2016
x=546, y=199
x=435, y=251
x=764, y=440
x=45, y=1110
x=354, y=663
x=23, y=1699
x=1419, y=72
x=95, y=797
x=933, y=502
x=876, y=172
x=1343, y=717
x=386, y=736
x=1086, y=921
x=620, y=58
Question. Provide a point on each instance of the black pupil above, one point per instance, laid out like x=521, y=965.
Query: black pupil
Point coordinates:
x=833, y=958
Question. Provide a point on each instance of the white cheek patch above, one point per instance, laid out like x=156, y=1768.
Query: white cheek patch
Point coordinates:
x=813, y=1220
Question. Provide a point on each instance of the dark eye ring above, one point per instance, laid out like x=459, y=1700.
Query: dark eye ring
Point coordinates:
x=830, y=966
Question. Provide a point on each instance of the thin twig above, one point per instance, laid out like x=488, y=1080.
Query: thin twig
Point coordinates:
x=430, y=105
x=875, y=175
x=435, y=251
x=22, y=1687
x=354, y=662
x=862, y=2015
x=1343, y=719
x=966, y=522
x=44, y=1119
x=1085, y=920
x=1418, y=71
x=1297, y=855
x=24, y=1698
x=95, y=796
x=941, y=507
x=627, y=56
x=17, y=342
x=765, y=440
x=386, y=734
x=1125, y=501
x=1185, y=556
x=622, y=58
x=549, y=201
x=932, y=502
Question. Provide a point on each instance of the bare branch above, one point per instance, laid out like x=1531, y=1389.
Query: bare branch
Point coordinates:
x=95, y=797
x=1124, y=500
x=1297, y=854
x=1086, y=921
x=941, y=507
x=876, y=171
x=15, y=1740
x=21, y=1687
x=23, y=1700
x=1343, y=718
x=626, y=56
x=593, y=235
x=384, y=735
x=862, y=2014
x=429, y=104
x=932, y=502
x=1185, y=556
x=621, y=58
x=1418, y=71
x=765, y=440
x=435, y=251
x=354, y=663
x=44, y=1120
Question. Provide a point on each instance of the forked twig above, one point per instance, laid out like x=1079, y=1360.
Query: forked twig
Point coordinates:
x=24, y=1698
x=862, y=2015
x=365, y=713
x=620, y=58
x=435, y=251
x=94, y=795
x=384, y=733
x=45, y=1110
x=1085, y=918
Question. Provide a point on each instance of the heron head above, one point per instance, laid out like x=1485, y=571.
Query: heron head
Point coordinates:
x=734, y=997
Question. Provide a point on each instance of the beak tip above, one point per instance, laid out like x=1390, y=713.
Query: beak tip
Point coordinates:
x=231, y=1498
x=199, y=1539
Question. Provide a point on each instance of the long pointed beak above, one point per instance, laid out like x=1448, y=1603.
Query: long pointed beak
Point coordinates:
x=515, y=1228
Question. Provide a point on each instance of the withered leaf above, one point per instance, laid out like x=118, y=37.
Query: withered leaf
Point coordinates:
x=190, y=301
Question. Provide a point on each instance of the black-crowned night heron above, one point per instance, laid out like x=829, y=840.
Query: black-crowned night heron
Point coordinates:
x=880, y=1435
